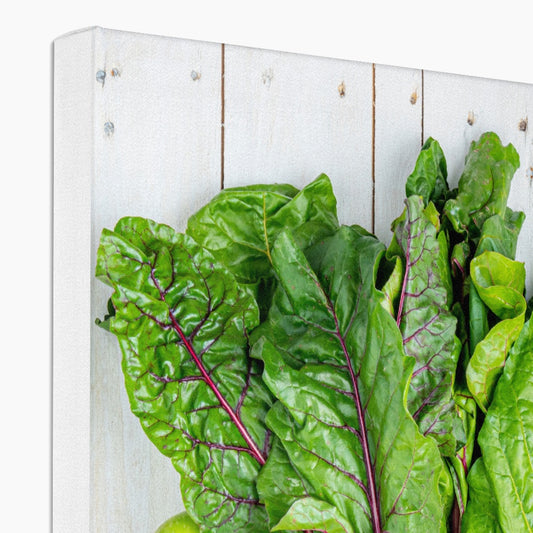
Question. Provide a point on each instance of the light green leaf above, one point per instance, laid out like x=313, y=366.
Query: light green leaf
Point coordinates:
x=499, y=281
x=392, y=287
x=498, y=234
x=506, y=442
x=305, y=513
x=239, y=226
x=481, y=511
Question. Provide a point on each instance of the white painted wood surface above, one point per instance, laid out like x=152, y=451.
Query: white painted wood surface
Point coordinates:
x=459, y=109
x=73, y=159
x=290, y=117
x=172, y=122
x=398, y=134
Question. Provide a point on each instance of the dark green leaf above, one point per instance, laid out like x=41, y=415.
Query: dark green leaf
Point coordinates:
x=484, y=185
x=500, y=234
x=333, y=357
x=428, y=178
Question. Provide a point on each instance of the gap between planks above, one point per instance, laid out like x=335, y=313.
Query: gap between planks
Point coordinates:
x=422, y=110
x=373, y=228
x=222, y=111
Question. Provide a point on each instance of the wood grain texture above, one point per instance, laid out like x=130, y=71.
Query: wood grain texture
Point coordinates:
x=290, y=117
x=397, y=143
x=458, y=109
x=160, y=159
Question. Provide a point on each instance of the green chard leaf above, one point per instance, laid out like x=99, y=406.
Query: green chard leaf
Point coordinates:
x=391, y=274
x=481, y=511
x=182, y=320
x=499, y=282
x=498, y=234
x=333, y=358
x=459, y=464
x=484, y=185
x=428, y=326
x=240, y=225
x=501, y=487
x=428, y=178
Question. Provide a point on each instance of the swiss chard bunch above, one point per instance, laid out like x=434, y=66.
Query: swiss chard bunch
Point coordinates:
x=303, y=376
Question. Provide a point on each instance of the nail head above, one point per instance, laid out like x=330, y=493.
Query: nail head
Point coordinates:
x=109, y=128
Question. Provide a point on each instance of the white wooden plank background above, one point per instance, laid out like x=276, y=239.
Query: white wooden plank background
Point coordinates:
x=290, y=117
x=175, y=120
x=398, y=134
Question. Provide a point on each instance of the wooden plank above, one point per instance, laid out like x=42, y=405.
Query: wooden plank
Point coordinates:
x=458, y=109
x=290, y=117
x=397, y=143
x=73, y=154
x=156, y=154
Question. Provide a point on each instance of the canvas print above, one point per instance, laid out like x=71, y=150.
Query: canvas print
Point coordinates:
x=311, y=290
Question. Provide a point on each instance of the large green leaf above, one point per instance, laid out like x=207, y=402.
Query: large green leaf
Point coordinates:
x=481, y=513
x=499, y=281
x=240, y=225
x=428, y=178
x=506, y=442
x=182, y=321
x=334, y=359
x=484, y=185
x=428, y=326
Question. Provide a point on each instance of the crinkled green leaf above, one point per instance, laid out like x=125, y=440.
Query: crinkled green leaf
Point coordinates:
x=481, y=511
x=499, y=281
x=500, y=233
x=240, y=225
x=428, y=326
x=506, y=442
x=333, y=357
x=459, y=464
x=484, y=185
x=428, y=178
x=182, y=321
